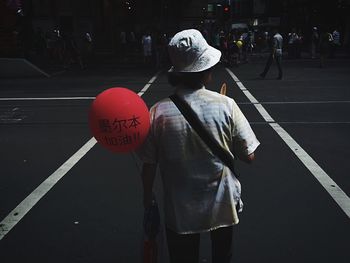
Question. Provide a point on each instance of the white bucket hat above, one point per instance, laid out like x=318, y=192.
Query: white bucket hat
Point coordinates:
x=190, y=52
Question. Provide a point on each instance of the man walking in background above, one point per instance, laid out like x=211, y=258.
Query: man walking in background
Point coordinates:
x=335, y=44
x=276, y=54
x=147, y=47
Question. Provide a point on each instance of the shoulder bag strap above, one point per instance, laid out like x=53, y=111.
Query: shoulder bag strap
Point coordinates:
x=203, y=133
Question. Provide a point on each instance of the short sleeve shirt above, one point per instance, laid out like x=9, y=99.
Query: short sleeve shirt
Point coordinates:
x=278, y=43
x=200, y=192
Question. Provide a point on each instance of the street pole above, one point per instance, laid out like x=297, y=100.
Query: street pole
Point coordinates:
x=229, y=3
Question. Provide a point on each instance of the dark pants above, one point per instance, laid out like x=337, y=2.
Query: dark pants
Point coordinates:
x=184, y=248
x=268, y=65
x=333, y=50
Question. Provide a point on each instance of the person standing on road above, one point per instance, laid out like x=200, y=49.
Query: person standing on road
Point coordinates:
x=123, y=44
x=275, y=54
x=336, y=43
x=326, y=40
x=147, y=47
x=72, y=53
x=201, y=194
x=87, y=47
x=293, y=39
x=133, y=44
x=315, y=38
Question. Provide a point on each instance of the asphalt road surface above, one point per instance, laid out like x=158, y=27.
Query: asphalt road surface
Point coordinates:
x=89, y=208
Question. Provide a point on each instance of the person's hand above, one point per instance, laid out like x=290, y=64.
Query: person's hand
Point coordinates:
x=240, y=151
x=147, y=175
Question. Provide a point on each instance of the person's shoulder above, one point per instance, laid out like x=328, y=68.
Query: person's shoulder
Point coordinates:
x=162, y=101
x=160, y=104
x=225, y=100
x=278, y=35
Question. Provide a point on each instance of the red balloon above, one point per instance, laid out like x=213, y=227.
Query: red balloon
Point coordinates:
x=119, y=119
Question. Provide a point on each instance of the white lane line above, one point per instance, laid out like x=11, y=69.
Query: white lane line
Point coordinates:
x=147, y=86
x=264, y=113
x=36, y=68
x=23, y=208
x=144, y=89
x=30, y=201
x=150, y=82
x=330, y=186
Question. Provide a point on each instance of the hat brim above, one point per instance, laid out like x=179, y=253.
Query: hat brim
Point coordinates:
x=210, y=57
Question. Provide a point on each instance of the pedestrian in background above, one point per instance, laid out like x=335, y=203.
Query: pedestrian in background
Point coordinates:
x=58, y=44
x=123, y=44
x=87, y=48
x=216, y=39
x=147, y=47
x=233, y=50
x=223, y=45
x=160, y=49
x=335, y=43
x=275, y=54
x=299, y=44
x=315, y=38
x=132, y=41
x=265, y=41
x=201, y=194
x=293, y=39
x=326, y=40
x=245, y=42
x=72, y=53
x=250, y=42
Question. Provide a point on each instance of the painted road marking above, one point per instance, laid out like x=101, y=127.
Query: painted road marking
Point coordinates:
x=31, y=200
x=148, y=84
x=331, y=187
x=23, y=208
x=145, y=88
x=6, y=60
x=36, y=68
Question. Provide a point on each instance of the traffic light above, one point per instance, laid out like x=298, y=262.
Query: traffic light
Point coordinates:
x=226, y=12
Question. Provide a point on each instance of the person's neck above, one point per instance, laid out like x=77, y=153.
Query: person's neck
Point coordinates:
x=182, y=89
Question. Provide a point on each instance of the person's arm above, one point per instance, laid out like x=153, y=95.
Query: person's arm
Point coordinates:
x=148, y=174
x=241, y=152
x=244, y=139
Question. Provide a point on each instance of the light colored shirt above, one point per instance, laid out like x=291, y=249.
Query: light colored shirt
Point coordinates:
x=147, y=40
x=293, y=38
x=200, y=192
x=147, y=43
x=278, y=43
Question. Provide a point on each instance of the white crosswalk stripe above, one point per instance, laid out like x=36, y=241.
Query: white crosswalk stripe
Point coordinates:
x=323, y=178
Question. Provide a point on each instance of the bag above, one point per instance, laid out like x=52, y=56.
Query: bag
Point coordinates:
x=151, y=225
